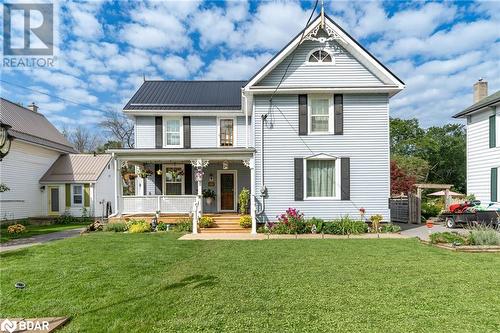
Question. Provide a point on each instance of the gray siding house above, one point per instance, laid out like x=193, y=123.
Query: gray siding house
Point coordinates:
x=310, y=130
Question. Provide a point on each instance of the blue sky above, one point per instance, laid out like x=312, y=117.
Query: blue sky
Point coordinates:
x=439, y=49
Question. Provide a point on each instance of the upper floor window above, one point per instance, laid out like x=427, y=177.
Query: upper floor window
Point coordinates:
x=320, y=56
x=320, y=114
x=226, y=132
x=173, y=132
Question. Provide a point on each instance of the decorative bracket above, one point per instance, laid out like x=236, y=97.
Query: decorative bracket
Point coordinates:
x=200, y=164
x=332, y=35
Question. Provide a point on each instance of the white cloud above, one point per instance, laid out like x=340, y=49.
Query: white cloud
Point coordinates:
x=236, y=68
x=177, y=67
x=84, y=18
x=103, y=83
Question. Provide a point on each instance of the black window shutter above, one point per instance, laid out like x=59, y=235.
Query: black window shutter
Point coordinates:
x=188, y=179
x=302, y=114
x=187, y=131
x=493, y=134
x=345, y=178
x=494, y=184
x=299, y=179
x=338, y=110
x=158, y=132
x=158, y=185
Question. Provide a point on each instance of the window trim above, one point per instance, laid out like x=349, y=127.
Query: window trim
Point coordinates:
x=311, y=63
x=164, y=178
x=73, y=195
x=181, y=132
x=235, y=131
x=337, y=196
x=331, y=114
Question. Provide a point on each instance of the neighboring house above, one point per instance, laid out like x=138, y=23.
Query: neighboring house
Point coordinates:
x=483, y=144
x=36, y=146
x=79, y=184
x=309, y=130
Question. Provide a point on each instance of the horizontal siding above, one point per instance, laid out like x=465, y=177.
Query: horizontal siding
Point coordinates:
x=203, y=132
x=21, y=171
x=345, y=71
x=144, y=132
x=241, y=134
x=365, y=141
x=480, y=157
x=104, y=190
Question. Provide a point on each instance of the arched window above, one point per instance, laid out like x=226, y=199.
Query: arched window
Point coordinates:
x=320, y=56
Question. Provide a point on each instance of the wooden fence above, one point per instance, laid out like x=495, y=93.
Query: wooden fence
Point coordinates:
x=405, y=209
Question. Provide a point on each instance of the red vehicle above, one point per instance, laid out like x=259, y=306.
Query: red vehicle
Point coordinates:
x=462, y=207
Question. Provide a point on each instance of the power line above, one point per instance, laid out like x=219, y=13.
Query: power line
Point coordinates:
x=88, y=106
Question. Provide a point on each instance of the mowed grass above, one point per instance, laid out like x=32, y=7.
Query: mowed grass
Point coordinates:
x=156, y=283
x=34, y=230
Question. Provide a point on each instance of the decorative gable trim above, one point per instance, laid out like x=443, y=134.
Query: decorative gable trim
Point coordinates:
x=336, y=33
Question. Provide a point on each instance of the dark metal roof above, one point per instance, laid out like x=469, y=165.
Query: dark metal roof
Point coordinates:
x=32, y=127
x=487, y=101
x=187, y=95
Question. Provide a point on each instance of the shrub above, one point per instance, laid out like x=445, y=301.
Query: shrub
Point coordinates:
x=314, y=223
x=376, y=219
x=280, y=228
x=162, y=226
x=139, y=227
x=184, y=225
x=430, y=209
x=345, y=226
x=448, y=237
x=389, y=227
x=244, y=199
x=116, y=227
x=66, y=218
x=16, y=229
x=292, y=219
x=482, y=235
x=206, y=222
x=246, y=221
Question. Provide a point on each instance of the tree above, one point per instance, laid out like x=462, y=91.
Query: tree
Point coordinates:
x=83, y=140
x=108, y=145
x=400, y=181
x=413, y=165
x=120, y=127
x=405, y=136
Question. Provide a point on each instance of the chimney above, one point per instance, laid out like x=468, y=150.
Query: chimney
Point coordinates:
x=480, y=90
x=33, y=107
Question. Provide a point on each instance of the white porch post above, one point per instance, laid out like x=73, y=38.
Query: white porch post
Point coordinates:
x=116, y=165
x=252, y=196
x=199, y=165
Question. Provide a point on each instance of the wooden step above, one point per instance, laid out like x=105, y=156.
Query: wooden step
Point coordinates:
x=224, y=230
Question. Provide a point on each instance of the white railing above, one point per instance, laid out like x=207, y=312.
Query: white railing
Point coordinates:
x=149, y=204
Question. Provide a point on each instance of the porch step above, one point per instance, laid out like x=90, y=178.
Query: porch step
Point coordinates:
x=224, y=230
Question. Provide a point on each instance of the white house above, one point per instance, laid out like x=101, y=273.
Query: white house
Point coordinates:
x=43, y=174
x=309, y=130
x=36, y=146
x=483, y=144
x=79, y=184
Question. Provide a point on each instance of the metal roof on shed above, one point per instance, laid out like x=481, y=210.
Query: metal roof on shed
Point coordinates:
x=32, y=127
x=187, y=95
x=76, y=168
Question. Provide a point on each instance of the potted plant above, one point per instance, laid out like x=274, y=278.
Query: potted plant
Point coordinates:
x=209, y=196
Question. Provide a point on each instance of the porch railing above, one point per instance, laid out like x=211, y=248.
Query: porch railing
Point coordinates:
x=175, y=204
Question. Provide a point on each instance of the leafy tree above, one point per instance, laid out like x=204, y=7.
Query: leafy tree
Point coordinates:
x=401, y=182
x=405, y=135
x=413, y=165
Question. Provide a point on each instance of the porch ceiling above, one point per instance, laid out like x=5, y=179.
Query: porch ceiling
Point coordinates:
x=180, y=154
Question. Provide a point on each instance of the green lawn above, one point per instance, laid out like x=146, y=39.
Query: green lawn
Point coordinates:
x=155, y=283
x=33, y=230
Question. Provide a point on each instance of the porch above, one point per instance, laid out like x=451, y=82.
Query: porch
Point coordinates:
x=179, y=184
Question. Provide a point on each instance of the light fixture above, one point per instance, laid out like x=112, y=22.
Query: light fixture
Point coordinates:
x=5, y=140
x=225, y=165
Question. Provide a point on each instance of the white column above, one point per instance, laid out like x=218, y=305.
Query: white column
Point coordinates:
x=116, y=183
x=252, y=196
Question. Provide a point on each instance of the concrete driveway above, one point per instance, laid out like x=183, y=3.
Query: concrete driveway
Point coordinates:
x=20, y=243
x=421, y=231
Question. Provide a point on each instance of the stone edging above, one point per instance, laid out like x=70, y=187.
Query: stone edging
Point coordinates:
x=465, y=248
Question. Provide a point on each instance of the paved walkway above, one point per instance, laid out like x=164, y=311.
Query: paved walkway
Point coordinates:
x=421, y=231
x=20, y=243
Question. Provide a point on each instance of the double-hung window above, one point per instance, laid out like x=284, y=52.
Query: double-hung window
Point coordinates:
x=173, y=132
x=227, y=132
x=322, y=178
x=320, y=114
x=174, y=179
x=77, y=194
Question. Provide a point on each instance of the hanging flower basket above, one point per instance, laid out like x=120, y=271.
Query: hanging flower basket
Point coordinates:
x=159, y=172
x=144, y=173
x=175, y=173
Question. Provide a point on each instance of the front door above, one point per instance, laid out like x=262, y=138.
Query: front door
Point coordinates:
x=53, y=200
x=227, y=191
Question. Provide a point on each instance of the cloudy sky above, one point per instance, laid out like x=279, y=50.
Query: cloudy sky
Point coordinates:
x=439, y=49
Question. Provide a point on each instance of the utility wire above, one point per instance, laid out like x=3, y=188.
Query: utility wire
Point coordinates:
x=88, y=106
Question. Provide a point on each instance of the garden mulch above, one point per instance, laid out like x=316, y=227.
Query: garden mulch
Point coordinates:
x=248, y=236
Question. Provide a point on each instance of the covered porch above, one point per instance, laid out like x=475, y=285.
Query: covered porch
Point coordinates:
x=182, y=182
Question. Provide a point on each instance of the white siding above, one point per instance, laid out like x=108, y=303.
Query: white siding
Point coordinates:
x=144, y=132
x=480, y=157
x=241, y=133
x=365, y=141
x=345, y=71
x=203, y=132
x=104, y=189
x=21, y=170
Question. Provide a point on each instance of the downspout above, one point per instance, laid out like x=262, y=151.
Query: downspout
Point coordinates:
x=263, y=189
